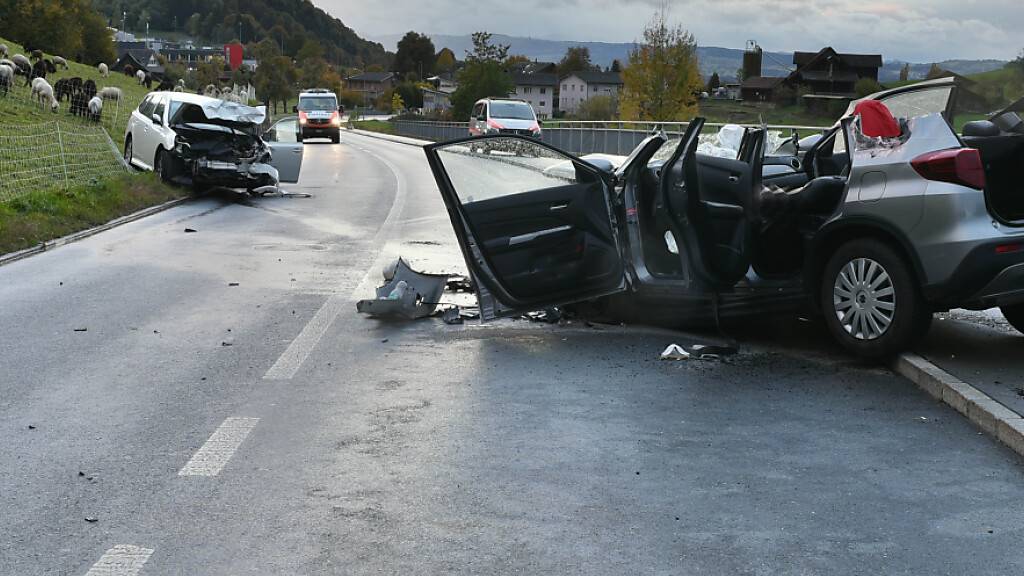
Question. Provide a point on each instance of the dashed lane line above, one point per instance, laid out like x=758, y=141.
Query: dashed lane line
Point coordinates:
x=212, y=456
x=121, y=560
x=302, y=346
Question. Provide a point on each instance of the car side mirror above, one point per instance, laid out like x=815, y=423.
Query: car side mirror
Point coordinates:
x=540, y=122
x=156, y=119
x=295, y=108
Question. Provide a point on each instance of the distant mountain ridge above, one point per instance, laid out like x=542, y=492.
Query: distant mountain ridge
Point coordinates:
x=725, y=61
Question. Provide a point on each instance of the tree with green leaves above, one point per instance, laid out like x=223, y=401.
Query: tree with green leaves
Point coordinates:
x=601, y=107
x=905, y=73
x=663, y=79
x=866, y=86
x=415, y=55
x=576, y=59
x=934, y=72
x=397, y=105
x=714, y=82
x=209, y=72
x=444, y=61
x=616, y=66
x=483, y=75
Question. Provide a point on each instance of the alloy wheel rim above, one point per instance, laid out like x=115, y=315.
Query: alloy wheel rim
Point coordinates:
x=864, y=299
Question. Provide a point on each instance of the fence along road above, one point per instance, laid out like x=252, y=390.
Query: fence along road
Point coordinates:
x=576, y=137
x=60, y=151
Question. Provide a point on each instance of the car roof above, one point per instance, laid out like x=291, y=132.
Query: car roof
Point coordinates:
x=185, y=97
x=502, y=100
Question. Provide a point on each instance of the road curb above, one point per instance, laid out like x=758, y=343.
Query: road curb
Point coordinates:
x=988, y=414
x=82, y=234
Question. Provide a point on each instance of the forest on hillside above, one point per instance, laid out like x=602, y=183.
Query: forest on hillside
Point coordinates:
x=289, y=23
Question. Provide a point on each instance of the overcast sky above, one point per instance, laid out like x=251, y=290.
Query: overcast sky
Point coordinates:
x=914, y=30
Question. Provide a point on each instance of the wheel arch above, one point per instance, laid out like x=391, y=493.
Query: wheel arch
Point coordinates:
x=827, y=240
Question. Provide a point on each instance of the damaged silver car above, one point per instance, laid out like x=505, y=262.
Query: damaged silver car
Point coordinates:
x=874, y=232
x=206, y=142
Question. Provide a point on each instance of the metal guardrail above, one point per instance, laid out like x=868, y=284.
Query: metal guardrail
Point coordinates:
x=576, y=136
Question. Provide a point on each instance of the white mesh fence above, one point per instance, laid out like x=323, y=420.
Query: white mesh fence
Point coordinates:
x=57, y=154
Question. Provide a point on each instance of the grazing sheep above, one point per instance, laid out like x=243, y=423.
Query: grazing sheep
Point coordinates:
x=75, y=84
x=7, y=62
x=21, y=61
x=148, y=81
x=6, y=78
x=89, y=87
x=43, y=92
x=59, y=61
x=179, y=88
x=39, y=70
x=104, y=70
x=129, y=70
x=3, y=50
x=110, y=93
x=95, y=108
x=140, y=76
x=181, y=82
x=211, y=91
x=36, y=54
x=62, y=89
x=165, y=85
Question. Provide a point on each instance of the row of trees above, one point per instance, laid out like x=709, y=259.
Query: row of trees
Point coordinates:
x=69, y=28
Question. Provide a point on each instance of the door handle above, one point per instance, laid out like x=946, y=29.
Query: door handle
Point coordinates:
x=297, y=151
x=559, y=206
x=734, y=179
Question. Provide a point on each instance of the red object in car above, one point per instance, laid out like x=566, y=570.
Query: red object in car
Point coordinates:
x=494, y=124
x=876, y=120
x=958, y=165
x=302, y=117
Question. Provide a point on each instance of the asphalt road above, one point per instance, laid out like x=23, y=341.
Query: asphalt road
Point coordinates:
x=157, y=419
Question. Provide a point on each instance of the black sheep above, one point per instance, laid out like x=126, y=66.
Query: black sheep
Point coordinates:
x=38, y=71
x=74, y=84
x=148, y=81
x=165, y=85
x=62, y=89
x=79, y=103
x=89, y=88
x=50, y=66
x=129, y=70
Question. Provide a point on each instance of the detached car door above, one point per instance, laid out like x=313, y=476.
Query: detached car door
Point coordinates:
x=535, y=224
x=285, y=149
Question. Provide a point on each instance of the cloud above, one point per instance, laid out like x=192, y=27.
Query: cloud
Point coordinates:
x=915, y=30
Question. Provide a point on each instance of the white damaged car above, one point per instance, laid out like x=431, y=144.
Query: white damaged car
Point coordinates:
x=206, y=142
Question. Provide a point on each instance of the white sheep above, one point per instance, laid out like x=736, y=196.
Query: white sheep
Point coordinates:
x=179, y=88
x=6, y=77
x=43, y=92
x=95, y=107
x=211, y=91
x=3, y=50
x=140, y=76
x=58, y=61
x=21, y=61
x=7, y=62
x=110, y=93
x=104, y=70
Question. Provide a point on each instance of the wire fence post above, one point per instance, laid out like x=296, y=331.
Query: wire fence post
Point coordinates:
x=63, y=158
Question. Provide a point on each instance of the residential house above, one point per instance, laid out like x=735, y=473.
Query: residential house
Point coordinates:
x=371, y=84
x=436, y=101
x=138, y=59
x=825, y=74
x=191, y=56
x=579, y=87
x=539, y=89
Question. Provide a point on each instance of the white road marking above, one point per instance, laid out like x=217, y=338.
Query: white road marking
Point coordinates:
x=121, y=560
x=215, y=453
x=295, y=355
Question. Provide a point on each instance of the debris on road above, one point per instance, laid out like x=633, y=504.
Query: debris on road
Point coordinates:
x=91, y=519
x=31, y=427
x=452, y=316
x=457, y=283
x=81, y=329
x=189, y=230
x=406, y=293
x=675, y=352
x=548, y=315
x=226, y=343
x=232, y=283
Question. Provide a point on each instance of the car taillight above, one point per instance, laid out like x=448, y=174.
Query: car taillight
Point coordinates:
x=302, y=118
x=959, y=166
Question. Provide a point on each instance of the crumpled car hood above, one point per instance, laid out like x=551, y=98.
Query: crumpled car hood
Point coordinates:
x=234, y=112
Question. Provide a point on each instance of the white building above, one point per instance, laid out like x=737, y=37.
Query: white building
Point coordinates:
x=579, y=87
x=539, y=89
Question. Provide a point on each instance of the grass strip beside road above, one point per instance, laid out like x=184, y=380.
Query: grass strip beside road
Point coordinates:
x=41, y=216
x=382, y=126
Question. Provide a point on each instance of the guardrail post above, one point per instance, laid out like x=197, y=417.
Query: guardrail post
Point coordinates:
x=63, y=159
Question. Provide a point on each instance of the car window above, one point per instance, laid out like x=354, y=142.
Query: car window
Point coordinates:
x=317, y=103
x=175, y=105
x=478, y=110
x=159, y=108
x=146, y=107
x=918, y=102
x=502, y=167
x=284, y=130
x=511, y=110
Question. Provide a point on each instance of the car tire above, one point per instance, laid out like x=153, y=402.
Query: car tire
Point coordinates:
x=1014, y=314
x=299, y=137
x=336, y=138
x=871, y=300
x=165, y=166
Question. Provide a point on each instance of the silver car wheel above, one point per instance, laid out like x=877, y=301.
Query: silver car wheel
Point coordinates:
x=864, y=299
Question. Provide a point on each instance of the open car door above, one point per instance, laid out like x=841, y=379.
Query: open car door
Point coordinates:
x=535, y=224
x=285, y=149
x=712, y=203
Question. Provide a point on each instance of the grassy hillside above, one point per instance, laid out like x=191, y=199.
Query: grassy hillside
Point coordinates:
x=17, y=109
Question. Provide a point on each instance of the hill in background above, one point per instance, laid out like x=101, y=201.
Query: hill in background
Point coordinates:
x=724, y=61
x=289, y=22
